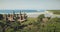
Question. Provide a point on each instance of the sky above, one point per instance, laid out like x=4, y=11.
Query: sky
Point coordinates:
x=30, y=4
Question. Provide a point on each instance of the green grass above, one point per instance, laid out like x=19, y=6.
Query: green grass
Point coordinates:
x=29, y=21
x=3, y=21
x=35, y=26
x=55, y=11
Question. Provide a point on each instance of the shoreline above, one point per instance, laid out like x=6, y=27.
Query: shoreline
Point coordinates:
x=29, y=14
x=35, y=14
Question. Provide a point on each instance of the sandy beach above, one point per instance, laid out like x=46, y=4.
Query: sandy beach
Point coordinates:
x=34, y=14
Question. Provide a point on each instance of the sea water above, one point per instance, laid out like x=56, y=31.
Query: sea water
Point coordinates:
x=18, y=11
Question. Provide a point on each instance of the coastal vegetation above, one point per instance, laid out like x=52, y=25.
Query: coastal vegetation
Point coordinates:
x=39, y=24
x=55, y=11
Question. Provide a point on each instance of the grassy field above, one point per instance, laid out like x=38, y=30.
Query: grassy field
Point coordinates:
x=31, y=25
x=29, y=21
x=27, y=25
x=55, y=11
